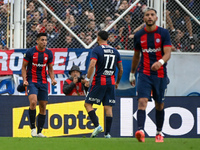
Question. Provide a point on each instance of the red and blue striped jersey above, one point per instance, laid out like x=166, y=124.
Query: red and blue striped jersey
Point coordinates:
x=107, y=58
x=37, y=62
x=151, y=45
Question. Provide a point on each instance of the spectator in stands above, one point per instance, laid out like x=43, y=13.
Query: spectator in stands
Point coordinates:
x=43, y=25
x=114, y=40
x=58, y=7
x=29, y=41
x=75, y=84
x=173, y=6
x=33, y=31
x=52, y=36
x=70, y=42
x=88, y=40
x=31, y=9
x=106, y=23
x=127, y=39
x=71, y=23
x=92, y=28
x=37, y=17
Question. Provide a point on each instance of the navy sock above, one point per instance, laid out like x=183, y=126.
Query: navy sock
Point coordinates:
x=93, y=118
x=159, y=119
x=41, y=121
x=141, y=116
x=108, y=124
x=32, y=114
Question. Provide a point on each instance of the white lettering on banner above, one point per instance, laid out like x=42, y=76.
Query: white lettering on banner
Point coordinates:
x=126, y=117
x=73, y=60
x=12, y=64
x=198, y=120
x=187, y=121
x=186, y=125
x=58, y=60
x=3, y=61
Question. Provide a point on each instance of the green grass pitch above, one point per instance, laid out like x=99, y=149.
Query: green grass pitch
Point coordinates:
x=69, y=143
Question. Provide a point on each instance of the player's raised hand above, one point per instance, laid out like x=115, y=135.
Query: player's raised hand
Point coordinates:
x=25, y=83
x=156, y=66
x=132, y=79
x=53, y=82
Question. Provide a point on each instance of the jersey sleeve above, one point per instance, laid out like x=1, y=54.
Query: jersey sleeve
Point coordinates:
x=27, y=56
x=94, y=54
x=50, y=60
x=118, y=57
x=137, y=45
x=166, y=41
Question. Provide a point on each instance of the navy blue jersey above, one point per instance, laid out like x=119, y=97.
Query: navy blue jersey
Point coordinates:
x=37, y=62
x=151, y=45
x=107, y=58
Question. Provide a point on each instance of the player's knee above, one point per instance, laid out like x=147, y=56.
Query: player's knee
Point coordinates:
x=142, y=103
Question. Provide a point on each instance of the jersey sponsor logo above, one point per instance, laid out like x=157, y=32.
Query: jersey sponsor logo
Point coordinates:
x=39, y=65
x=108, y=72
x=59, y=121
x=150, y=50
x=143, y=41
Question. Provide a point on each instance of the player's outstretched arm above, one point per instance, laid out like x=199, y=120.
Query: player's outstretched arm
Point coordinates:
x=119, y=75
x=51, y=74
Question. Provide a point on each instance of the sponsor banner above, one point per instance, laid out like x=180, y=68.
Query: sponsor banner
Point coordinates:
x=66, y=116
x=63, y=58
x=62, y=119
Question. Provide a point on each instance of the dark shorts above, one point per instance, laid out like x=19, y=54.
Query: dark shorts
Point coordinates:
x=158, y=86
x=41, y=90
x=98, y=93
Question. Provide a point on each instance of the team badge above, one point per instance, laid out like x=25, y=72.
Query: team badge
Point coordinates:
x=45, y=58
x=158, y=40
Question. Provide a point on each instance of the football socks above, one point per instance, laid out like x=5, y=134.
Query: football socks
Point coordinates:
x=32, y=114
x=159, y=119
x=41, y=121
x=141, y=116
x=108, y=124
x=93, y=118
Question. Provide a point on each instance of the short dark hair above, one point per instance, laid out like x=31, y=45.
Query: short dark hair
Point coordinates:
x=103, y=35
x=41, y=34
x=149, y=8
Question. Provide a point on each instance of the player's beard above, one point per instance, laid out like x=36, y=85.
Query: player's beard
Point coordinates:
x=150, y=24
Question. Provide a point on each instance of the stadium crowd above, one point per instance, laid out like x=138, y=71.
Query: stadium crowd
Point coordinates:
x=86, y=17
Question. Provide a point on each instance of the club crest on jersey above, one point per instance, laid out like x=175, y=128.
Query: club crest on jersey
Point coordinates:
x=45, y=58
x=157, y=40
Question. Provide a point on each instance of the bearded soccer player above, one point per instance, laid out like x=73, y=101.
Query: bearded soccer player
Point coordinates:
x=154, y=44
x=105, y=59
x=35, y=79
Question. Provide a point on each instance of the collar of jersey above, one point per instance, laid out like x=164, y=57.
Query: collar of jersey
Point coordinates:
x=151, y=31
x=104, y=44
x=39, y=50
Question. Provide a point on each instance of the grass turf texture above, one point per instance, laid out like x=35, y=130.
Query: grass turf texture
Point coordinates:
x=9, y=143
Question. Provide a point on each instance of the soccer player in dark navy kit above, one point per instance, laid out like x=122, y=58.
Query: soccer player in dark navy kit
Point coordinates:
x=154, y=44
x=104, y=59
x=35, y=79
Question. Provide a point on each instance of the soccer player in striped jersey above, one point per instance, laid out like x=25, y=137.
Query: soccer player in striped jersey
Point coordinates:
x=104, y=59
x=34, y=76
x=154, y=44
